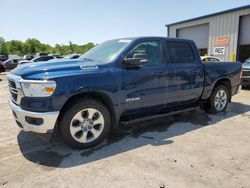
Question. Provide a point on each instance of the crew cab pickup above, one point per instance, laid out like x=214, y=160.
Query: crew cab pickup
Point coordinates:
x=116, y=82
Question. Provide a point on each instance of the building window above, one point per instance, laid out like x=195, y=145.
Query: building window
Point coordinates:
x=203, y=51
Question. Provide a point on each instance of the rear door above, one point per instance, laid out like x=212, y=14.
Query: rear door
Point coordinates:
x=8, y=64
x=186, y=73
x=11, y=64
x=144, y=87
x=15, y=63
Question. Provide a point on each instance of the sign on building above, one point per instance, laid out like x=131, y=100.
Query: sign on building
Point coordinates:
x=220, y=50
x=221, y=41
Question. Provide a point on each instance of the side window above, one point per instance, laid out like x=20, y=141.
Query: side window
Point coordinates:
x=43, y=59
x=214, y=59
x=48, y=58
x=75, y=57
x=36, y=60
x=152, y=51
x=180, y=52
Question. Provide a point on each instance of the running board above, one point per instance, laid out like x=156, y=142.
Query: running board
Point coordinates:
x=158, y=116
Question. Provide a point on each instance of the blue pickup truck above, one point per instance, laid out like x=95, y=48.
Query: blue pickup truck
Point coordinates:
x=116, y=82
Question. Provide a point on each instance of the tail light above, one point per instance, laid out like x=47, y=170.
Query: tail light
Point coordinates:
x=2, y=65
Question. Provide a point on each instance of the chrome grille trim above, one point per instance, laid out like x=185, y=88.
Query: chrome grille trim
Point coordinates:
x=245, y=72
x=15, y=88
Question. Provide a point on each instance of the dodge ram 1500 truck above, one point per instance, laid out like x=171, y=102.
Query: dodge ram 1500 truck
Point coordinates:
x=118, y=81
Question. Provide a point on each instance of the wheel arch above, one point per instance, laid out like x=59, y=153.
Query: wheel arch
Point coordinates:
x=227, y=83
x=98, y=96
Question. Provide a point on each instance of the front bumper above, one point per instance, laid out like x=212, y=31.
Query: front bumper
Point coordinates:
x=26, y=119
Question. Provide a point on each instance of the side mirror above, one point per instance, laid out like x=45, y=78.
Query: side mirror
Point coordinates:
x=137, y=60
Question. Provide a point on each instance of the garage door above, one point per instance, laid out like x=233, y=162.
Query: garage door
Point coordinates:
x=199, y=34
x=245, y=30
x=244, y=38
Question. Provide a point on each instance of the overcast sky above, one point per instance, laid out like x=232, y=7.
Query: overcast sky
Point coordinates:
x=82, y=21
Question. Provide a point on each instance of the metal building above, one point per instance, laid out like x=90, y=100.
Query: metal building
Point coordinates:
x=225, y=35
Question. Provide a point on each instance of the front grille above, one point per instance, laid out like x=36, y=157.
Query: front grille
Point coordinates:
x=12, y=84
x=13, y=90
x=246, y=73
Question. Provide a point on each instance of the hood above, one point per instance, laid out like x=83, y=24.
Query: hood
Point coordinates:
x=55, y=68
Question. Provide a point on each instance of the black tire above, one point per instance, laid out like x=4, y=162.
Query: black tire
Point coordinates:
x=211, y=102
x=71, y=111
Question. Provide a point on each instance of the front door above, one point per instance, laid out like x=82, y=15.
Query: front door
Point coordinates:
x=144, y=87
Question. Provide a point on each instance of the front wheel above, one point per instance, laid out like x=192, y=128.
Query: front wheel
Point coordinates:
x=219, y=99
x=85, y=124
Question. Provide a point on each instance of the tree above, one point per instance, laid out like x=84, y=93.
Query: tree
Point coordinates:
x=15, y=47
x=71, y=47
x=33, y=46
x=3, y=47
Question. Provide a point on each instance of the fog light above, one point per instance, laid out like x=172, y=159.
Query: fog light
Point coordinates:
x=34, y=121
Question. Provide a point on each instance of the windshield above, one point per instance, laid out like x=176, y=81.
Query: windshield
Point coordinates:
x=106, y=52
x=32, y=60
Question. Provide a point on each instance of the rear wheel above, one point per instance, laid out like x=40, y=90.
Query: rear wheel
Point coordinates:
x=85, y=124
x=219, y=99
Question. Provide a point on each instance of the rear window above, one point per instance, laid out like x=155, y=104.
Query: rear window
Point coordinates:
x=180, y=52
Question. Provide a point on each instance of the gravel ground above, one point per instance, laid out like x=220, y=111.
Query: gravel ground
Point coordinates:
x=193, y=149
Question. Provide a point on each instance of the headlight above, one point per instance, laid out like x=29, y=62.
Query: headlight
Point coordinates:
x=38, y=88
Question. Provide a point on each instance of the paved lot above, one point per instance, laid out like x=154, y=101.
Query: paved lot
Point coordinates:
x=193, y=149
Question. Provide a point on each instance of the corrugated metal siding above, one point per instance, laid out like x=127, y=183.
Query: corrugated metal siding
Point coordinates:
x=223, y=25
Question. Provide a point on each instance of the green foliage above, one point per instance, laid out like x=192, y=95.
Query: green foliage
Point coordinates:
x=33, y=46
x=3, y=47
x=72, y=48
x=15, y=47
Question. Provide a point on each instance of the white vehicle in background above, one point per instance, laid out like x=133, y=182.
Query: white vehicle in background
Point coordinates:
x=37, y=59
x=72, y=56
x=57, y=56
x=12, y=63
x=209, y=58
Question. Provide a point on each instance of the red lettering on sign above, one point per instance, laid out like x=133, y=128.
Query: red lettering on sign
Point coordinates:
x=222, y=41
